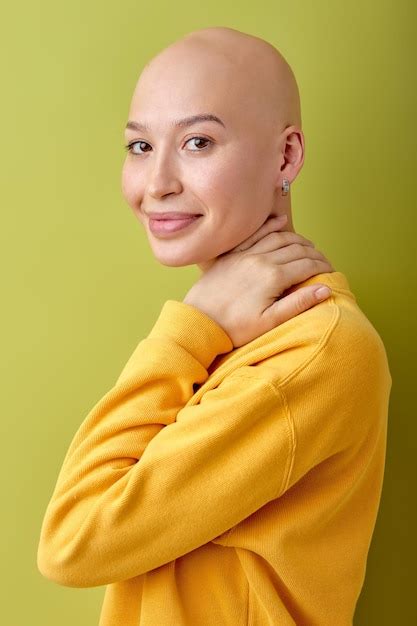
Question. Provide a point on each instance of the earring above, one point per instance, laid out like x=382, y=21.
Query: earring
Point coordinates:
x=285, y=186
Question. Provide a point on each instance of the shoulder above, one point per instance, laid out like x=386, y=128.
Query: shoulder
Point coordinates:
x=331, y=373
x=333, y=339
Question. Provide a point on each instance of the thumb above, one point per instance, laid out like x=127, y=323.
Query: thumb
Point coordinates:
x=296, y=302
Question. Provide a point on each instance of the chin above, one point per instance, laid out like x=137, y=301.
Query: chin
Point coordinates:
x=174, y=263
x=181, y=258
x=170, y=259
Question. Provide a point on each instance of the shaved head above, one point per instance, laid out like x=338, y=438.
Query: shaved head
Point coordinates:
x=251, y=69
x=238, y=96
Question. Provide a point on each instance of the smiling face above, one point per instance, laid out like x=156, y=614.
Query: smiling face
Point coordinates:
x=227, y=170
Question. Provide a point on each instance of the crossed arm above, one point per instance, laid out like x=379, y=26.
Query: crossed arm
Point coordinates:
x=149, y=477
x=146, y=478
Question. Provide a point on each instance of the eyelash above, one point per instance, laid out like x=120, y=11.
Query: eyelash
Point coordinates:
x=130, y=145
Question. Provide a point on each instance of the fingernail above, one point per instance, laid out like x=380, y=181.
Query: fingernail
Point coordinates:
x=322, y=292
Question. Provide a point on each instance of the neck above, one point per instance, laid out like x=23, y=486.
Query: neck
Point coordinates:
x=289, y=227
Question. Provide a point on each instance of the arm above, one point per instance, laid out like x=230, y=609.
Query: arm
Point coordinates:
x=146, y=478
x=149, y=478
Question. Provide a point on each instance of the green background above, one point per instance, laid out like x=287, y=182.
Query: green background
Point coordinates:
x=80, y=287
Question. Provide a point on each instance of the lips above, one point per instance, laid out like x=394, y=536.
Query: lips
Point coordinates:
x=172, y=216
x=165, y=227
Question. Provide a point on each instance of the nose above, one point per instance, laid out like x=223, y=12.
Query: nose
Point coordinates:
x=163, y=177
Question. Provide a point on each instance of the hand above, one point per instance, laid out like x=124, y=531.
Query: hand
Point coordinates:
x=242, y=290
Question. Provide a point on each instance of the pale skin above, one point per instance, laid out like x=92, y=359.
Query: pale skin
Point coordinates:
x=229, y=172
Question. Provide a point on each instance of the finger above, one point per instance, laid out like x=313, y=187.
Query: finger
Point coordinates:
x=275, y=240
x=295, y=303
x=294, y=272
x=272, y=223
x=293, y=252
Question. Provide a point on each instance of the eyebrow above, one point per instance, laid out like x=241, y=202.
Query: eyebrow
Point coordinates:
x=186, y=121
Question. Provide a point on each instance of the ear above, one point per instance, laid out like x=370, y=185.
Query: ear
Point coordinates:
x=292, y=153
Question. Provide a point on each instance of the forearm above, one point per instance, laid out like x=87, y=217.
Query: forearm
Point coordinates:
x=154, y=385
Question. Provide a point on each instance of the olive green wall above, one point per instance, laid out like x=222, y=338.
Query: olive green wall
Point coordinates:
x=80, y=287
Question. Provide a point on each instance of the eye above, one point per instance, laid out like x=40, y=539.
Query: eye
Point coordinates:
x=199, y=139
x=130, y=146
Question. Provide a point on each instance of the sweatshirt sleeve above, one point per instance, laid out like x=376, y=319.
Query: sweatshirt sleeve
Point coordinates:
x=147, y=479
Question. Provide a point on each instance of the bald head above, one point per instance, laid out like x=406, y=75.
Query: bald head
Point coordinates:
x=248, y=68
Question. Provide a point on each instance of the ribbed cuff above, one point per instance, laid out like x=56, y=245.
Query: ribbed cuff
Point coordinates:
x=192, y=329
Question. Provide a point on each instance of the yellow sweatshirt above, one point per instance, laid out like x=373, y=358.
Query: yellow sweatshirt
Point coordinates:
x=214, y=486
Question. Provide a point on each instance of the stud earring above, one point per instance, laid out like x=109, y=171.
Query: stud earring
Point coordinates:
x=285, y=186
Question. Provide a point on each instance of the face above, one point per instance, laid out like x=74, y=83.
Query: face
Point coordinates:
x=225, y=171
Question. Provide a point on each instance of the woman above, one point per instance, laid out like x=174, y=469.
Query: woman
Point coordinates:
x=232, y=474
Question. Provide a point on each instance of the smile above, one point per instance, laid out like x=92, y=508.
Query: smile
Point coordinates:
x=165, y=227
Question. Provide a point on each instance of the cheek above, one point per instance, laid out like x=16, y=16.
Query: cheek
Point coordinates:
x=239, y=200
x=235, y=191
x=223, y=185
x=129, y=186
